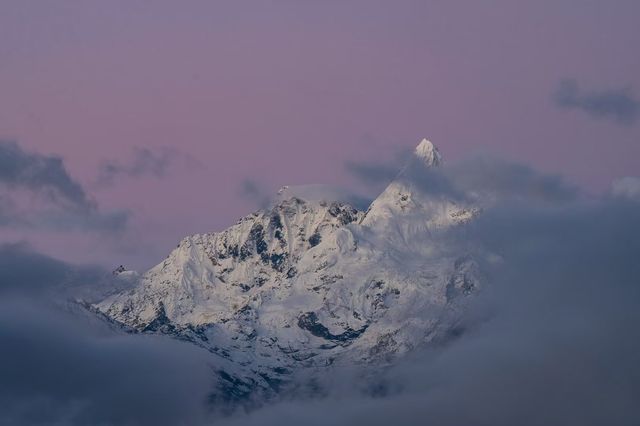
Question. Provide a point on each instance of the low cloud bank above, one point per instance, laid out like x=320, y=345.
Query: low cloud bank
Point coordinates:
x=552, y=339
x=61, y=365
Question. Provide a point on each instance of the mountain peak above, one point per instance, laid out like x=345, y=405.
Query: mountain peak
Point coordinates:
x=310, y=282
x=428, y=153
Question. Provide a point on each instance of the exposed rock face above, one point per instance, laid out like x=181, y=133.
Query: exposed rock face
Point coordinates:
x=310, y=283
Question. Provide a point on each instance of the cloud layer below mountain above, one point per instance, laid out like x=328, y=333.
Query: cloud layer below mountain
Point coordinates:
x=552, y=339
x=60, y=365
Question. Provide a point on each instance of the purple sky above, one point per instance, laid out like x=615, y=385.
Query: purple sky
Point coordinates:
x=285, y=92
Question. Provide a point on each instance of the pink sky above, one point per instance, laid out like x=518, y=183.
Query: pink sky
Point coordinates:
x=285, y=92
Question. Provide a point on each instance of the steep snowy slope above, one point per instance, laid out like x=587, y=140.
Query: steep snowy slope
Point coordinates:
x=415, y=198
x=312, y=282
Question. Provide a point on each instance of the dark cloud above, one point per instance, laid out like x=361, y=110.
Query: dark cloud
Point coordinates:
x=155, y=163
x=500, y=179
x=61, y=365
x=405, y=167
x=25, y=272
x=617, y=104
x=36, y=191
x=39, y=173
x=551, y=340
x=482, y=178
x=19, y=276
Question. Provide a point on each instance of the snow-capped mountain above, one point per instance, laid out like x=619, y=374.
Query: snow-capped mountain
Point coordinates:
x=312, y=282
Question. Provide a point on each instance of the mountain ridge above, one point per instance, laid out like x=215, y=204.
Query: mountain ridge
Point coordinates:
x=306, y=284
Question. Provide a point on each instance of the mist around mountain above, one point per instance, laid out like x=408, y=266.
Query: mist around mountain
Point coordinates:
x=481, y=292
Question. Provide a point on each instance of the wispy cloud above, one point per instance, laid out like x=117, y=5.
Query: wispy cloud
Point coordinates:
x=627, y=187
x=372, y=173
x=156, y=163
x=468, y=179
x=617, y=104
x=36, y=190
x=251, y=190
x=39, y=173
